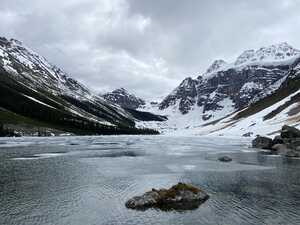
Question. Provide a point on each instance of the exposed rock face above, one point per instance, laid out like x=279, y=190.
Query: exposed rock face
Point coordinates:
x=185, y=94
x=262, y=142
x=216, y=65
x=248, y=134
x=123, y=98
x=180, y=197
x=230, y=87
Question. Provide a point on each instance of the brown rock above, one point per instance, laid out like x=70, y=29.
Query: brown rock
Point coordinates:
x=180, y=197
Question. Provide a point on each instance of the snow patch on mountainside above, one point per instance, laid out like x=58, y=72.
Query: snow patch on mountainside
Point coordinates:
x=273, y=53
x=254, y=124
x=35, y=100
x=178, y=122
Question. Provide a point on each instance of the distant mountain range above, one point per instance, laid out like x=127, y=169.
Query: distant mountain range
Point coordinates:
x=36, y=93
x=225, y=89
x=255, y=94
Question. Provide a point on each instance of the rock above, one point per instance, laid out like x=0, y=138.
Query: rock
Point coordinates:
x=262, y=142
x=294, y=143
x=292, y=153
x=249, y=134
x=179, y=197
x=225, y=159
x=278, y=140
x=290, y=132
x=281, y=149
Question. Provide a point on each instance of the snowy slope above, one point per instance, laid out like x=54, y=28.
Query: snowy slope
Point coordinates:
x=266, y=116
x=226, y=87
x=33, y=73
x=254, y=124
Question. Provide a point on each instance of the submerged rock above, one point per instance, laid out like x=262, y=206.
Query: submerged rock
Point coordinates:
x=292, y=154
x=280, y=148
x=225, y=159
x=179, y=197
x=262, y=142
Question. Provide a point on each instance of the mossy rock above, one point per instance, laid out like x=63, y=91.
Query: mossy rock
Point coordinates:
x=179, y=197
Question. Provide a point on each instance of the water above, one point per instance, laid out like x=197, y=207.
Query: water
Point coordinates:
x=87, y=180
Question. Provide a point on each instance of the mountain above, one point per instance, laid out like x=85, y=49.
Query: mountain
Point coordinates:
x=265, y=116
x=132, y=104
x=228, y=87
x=123, y=98
x=33, y=89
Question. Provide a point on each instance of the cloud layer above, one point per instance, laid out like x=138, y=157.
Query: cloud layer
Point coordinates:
x=146, y=46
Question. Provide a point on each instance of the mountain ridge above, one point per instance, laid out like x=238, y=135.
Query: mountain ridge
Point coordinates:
x=29, y=80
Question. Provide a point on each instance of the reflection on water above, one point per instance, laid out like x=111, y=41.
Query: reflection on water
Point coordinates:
x=87, y=180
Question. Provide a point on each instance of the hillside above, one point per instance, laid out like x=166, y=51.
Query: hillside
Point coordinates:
x=33, y=88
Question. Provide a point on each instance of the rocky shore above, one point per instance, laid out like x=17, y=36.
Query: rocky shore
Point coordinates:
x=179, y=197
x=286, y=144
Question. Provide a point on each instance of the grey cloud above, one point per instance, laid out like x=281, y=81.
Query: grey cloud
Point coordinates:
x=146, y=46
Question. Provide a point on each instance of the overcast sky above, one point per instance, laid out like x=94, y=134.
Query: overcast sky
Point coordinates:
x=146, y=46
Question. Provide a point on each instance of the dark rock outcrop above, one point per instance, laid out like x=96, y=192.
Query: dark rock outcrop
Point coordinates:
x=179, y=197
x=249, y=134
x=123, y=98
x=290, y=132
x=185, y=93
x=287, y=144
x=262, y=142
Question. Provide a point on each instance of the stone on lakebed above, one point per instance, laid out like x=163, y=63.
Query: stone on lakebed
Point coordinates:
x=225, y=159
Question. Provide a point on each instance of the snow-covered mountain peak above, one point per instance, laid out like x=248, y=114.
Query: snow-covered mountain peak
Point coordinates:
x=121, y=91
x=123, y=98
x=275, y=52
x=215, y=66
x=187, y=82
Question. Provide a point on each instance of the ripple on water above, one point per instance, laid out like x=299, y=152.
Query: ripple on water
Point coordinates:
x=40, y=156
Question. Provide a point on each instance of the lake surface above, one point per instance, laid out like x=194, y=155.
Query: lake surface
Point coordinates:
x=87, y=180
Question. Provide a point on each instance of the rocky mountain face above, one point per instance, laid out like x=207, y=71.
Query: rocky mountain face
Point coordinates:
x=267, y=114
x=123, y=98
x=228, y=87
x=133, y=105
x=30, y=86
x=184, y=96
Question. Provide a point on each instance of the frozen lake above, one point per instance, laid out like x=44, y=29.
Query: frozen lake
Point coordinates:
x=87, y=180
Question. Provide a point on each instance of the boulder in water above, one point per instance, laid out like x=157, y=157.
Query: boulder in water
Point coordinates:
x=292, y=154
x=225, y=159
x=280, y=148
x=179, y=197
